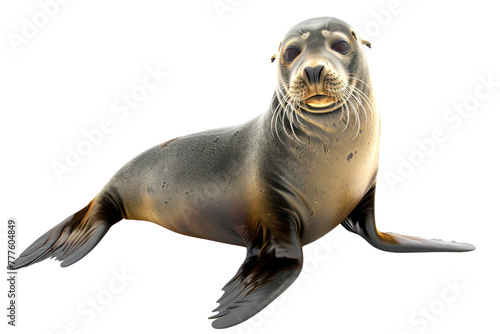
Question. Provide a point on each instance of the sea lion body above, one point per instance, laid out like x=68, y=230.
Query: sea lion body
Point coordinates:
x=274, y=184
x=208, y=184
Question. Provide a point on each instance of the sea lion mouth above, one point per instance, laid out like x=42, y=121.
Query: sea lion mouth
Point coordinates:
x=320, y=101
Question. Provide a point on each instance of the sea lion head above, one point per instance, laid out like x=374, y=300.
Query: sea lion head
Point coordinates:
x=321, y=67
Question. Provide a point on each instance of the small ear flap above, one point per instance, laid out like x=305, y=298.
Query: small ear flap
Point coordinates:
x=274, y=55
x=365, y=42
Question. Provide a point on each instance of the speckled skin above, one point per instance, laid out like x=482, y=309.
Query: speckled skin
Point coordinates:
x=256, y=185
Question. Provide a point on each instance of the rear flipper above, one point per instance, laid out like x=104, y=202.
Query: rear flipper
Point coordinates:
x=362, y=221
x=74, y=237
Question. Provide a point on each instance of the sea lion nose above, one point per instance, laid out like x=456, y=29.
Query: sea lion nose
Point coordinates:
x=312, y=74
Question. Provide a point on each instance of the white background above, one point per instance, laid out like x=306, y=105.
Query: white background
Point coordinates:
x=427, y=57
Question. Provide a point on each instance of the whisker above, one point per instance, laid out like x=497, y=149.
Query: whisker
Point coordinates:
x=366, y=99
x=297, y=116
x=357, y=117
x=355, y=78
x=348, y=116
x=358, y=100
x=283, y=120
x=290, y=119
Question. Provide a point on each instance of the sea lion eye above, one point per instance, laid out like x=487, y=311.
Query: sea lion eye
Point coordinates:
x=341, y=47
x=291, y=53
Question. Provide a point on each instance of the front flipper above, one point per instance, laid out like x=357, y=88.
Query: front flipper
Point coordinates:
x=362, y=221
x=271, y=266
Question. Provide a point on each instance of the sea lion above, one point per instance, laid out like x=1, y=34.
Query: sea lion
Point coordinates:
x=272, y=185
